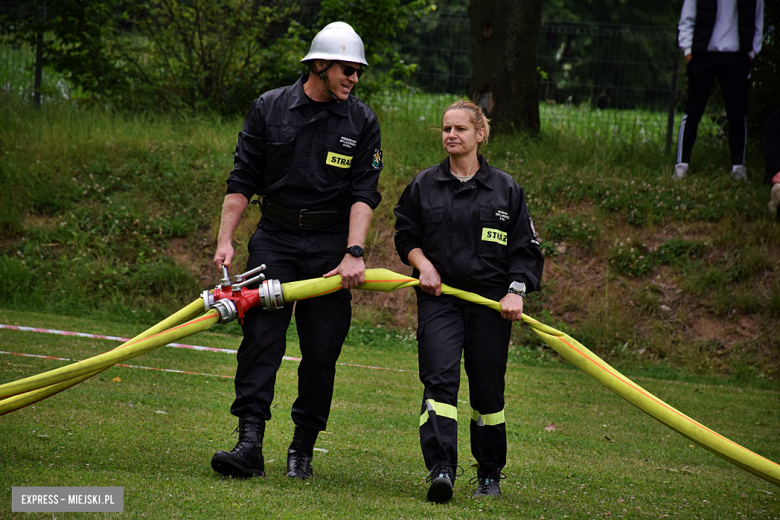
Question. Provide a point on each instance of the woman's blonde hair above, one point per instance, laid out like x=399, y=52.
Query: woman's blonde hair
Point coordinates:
x=475, y=113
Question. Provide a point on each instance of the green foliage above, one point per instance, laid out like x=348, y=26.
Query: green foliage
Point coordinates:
x=446, y=28
x=169, y=55
x=87, y=47
x=378, y=22
x=664, y=13
x=216, y=55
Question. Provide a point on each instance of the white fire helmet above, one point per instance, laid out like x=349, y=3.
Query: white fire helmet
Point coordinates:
x=337, y=41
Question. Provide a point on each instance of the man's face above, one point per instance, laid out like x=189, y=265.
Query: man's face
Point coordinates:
x=340, y=83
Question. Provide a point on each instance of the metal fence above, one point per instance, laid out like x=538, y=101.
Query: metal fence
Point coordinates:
x=17, y=72
x=603, y=80
x=614, y=81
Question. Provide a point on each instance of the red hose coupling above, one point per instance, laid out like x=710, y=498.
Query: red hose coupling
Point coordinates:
x=233, y=300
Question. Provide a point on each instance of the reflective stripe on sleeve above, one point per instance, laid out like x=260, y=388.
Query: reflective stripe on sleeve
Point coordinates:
x=491, y=419
x=441, y=409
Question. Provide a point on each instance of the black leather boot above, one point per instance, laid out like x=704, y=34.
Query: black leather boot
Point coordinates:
x=246, y=459
x=301, y=452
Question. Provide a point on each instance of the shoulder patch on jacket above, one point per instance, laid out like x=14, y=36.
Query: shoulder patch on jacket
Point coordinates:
x=535, y=239
x=376, y=160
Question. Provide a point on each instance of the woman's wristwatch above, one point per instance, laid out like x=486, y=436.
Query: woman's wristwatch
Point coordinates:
x=517, y=288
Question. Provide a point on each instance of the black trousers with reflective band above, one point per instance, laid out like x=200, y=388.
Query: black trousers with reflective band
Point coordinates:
x=448, y=328
x=732, y=70
x=322, y=324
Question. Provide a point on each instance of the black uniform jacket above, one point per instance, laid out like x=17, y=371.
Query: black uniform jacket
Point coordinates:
x=477, y=234
x=303, y=158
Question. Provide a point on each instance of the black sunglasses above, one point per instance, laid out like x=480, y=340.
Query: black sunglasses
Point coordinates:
x=350, y=70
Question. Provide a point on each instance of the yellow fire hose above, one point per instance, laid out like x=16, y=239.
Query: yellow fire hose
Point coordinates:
x=387, y=281
x=33, y=389
x=104, y=360
x=33, y=396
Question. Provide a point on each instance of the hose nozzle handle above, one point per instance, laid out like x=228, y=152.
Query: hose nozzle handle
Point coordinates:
x=245, y=283
x=239, y=278
x=225, y=282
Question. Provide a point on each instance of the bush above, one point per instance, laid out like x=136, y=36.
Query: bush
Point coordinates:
x=202, y=55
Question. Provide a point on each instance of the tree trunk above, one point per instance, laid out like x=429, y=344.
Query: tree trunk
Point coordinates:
x=504, y=42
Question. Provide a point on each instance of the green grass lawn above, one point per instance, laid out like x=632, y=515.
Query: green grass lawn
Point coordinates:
x=153, y=433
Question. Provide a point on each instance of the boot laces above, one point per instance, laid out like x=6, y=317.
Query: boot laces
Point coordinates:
x=484, y=482
x=248, y=429
x=440, y=470
x=300, y=462
x=303, y=440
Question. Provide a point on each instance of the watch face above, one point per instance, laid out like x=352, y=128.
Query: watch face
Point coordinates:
x=355, y=251
x=517, y=288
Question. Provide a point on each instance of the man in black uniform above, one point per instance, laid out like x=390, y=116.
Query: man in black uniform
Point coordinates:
x=312, y=152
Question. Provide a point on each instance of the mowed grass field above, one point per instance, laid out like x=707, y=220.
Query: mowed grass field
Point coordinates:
x=575, y=449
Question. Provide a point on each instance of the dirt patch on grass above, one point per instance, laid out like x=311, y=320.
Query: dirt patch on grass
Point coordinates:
x=709, y=328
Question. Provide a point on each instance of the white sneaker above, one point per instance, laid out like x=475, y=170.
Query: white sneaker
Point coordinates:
x=774, y=199
x=680, y=170
x=739, y=173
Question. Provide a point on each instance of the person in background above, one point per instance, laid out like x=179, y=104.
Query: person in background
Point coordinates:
x=466, y=224
x=772, y=156
x=719, y=39
x=312, y=152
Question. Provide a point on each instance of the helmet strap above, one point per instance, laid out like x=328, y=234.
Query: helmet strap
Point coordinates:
x=323, y=74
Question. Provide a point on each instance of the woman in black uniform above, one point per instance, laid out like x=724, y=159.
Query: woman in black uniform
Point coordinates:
x=466, y=224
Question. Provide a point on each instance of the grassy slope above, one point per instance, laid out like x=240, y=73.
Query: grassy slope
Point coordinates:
x=153, y=433
x=117, y=217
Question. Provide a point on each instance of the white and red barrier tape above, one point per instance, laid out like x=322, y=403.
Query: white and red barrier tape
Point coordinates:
x=174, y=345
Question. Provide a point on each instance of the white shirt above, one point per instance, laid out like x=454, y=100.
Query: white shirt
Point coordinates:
x=725, y=33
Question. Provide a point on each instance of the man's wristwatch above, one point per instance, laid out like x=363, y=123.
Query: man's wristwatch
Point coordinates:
x=355, y=251
x=517, y=288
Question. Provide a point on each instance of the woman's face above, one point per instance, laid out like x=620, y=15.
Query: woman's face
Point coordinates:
x=458, y=134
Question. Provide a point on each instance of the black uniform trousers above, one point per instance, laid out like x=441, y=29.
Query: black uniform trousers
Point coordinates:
x=772, y=146
x=732, y=69
x=322, y=325
x=448, y=327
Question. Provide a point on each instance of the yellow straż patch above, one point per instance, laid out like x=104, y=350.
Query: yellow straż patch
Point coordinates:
x=339, y=161
x=494, y=235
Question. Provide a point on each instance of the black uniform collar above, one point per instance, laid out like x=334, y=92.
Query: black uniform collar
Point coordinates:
x=482, y=176
x=299, y=98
